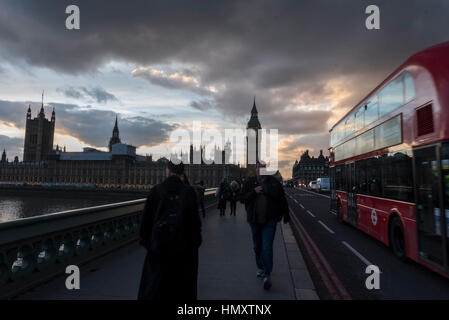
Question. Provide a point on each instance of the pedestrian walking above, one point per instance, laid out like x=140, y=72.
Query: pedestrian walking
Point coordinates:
x=223, y=195
x=171, y=233
x=265, y=205
x=234, y=195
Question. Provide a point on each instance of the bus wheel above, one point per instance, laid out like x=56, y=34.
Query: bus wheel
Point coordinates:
x=339, y=213
x=397, y=238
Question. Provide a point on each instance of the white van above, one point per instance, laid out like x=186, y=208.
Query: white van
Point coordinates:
x=322, y=184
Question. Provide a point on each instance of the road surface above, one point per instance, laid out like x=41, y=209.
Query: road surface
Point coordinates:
x=337, y=255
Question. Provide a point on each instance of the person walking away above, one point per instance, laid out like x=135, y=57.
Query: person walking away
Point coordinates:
x=223, y=194
x=266, y=205
x=235, y=190
x=170, y=231
x=199, y=189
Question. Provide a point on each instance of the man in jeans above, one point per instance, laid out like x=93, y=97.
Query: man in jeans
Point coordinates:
x=266, y=205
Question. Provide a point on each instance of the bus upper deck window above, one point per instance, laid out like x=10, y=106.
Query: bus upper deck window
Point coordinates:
x=409, y=87
x=392, y=96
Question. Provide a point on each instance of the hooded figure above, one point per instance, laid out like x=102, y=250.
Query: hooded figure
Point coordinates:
x=172, y=278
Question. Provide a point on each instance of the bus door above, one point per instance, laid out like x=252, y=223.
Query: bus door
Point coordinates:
x=430, y=218
x=351, y=198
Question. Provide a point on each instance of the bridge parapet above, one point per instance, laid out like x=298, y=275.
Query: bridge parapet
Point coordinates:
x=35, y=249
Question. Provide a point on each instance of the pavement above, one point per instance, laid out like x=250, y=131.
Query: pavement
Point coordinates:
x=341, y=253
x=227, y=270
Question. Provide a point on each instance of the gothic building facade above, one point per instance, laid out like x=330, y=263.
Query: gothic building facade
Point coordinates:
x=310, y=168
x=39, y=134
x=120, y=167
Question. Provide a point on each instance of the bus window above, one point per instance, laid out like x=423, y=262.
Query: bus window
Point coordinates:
x=360, y=175
x=388, y=133
x=392, y=96
x=371, y=110
x=359, y=119
x=349, y=126
x=373, y=177
x=340, y=180
x=365, y=142
x=409, y=87
x=398, y=176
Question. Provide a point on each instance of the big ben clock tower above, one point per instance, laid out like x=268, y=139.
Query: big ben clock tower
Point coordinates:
x=252, y=138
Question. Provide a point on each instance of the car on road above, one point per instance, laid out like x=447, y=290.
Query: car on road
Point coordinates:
x=311, y=186
x=322, y=185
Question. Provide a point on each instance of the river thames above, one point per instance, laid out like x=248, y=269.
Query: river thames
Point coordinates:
x=21, y=204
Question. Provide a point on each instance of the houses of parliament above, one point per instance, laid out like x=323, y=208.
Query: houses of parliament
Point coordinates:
x=119, y=167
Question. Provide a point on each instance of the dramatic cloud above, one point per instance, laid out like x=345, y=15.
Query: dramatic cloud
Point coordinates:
x=203, y=104
x=171, y=80
x=92, y=126
x=12, y=146
x=306, y=61
x=98, y=94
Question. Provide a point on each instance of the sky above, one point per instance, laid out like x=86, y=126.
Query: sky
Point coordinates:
x=159, y=65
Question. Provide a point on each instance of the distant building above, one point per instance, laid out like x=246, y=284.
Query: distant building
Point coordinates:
x=120, y=167
x=310, y=168
x=39, y=134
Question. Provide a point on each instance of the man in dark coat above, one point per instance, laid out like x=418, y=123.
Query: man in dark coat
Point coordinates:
x=173, y=278
x=265, y=205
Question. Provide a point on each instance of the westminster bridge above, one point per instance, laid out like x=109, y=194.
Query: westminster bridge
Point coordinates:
x=102, y=241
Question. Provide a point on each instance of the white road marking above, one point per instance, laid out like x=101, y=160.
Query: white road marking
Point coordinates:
x=295, y=200
x=311, y=213
x=316, y=193
x=326, y=227
x=301, y=205
x=365, y=261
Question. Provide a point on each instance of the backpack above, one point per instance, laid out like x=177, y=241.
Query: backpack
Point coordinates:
x=167, y=237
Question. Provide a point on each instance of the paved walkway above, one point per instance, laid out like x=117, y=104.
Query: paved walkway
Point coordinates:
x=226, y=271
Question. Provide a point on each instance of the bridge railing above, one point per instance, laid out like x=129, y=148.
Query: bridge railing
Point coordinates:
x=35, y=249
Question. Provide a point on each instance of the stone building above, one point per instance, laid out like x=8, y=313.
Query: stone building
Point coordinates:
x=39, y=134
x=120, y=167
x=310, y=168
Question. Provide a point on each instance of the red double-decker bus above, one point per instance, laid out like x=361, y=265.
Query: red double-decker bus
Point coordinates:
x=390, y=161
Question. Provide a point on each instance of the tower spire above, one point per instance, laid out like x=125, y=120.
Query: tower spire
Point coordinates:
x=115, y=135
x=42, y=113
x=254, y=109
